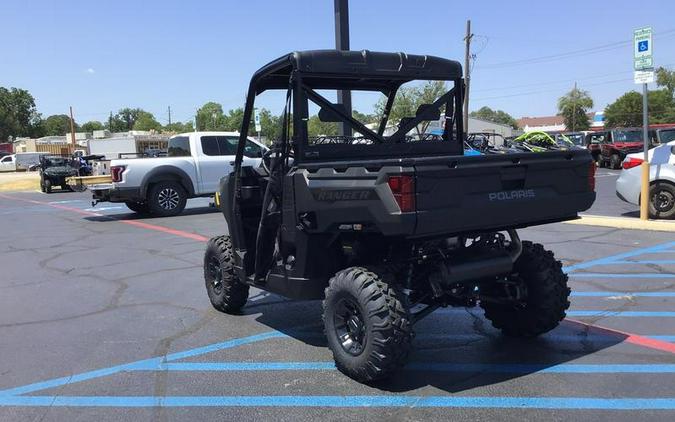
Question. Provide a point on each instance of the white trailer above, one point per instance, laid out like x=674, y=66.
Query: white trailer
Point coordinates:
x=111, y=148
x=20, y=161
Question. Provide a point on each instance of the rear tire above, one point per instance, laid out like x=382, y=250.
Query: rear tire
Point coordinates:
x=48, y=186
x=615, y=162
x=366, y=323
x=167, y=199
x=547, y=295
x=226, y=293
x=662, y=200
x=137, y=207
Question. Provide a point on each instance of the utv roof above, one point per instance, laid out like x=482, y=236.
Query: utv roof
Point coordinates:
x=361, y=70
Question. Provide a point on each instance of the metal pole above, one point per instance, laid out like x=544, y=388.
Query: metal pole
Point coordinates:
x=344, y=97
x=644, y=189
x=467, y=75
x=72, y=127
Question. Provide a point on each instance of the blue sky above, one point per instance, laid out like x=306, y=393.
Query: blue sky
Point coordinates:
x=100, y=55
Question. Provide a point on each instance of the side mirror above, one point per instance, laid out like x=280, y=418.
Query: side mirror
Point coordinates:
x=428, y=112
x=672, y=150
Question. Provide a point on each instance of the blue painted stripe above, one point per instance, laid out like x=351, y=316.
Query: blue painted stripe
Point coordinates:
x=647, y=262
x=417, y=366
x=57, y=382
x=635, y=294
x=622, y=275
x=348, y=401
x=664, y=314
x=663, y=338
x=618, y=257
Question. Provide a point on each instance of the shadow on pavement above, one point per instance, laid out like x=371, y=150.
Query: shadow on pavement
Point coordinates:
x=500, y=358
x=131, y=215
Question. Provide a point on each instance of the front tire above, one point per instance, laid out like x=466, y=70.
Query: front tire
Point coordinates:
x=366, y=323
x=547, y=295
x=48, y=186
x=167, y=199
x=226, y=293
x=615, y=162
x=662, y=200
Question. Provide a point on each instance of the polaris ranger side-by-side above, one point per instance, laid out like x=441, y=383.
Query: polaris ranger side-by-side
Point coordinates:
x=386, y=229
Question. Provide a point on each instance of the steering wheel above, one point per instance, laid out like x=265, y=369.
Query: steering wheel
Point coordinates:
x=267, y=159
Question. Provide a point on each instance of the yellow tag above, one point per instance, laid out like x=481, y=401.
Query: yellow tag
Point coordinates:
x=217, y=199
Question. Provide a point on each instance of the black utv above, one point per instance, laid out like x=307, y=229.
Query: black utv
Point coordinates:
x=387, y=228
x=55, y=169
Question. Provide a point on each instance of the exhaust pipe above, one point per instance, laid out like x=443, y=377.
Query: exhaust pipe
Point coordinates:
x=470, y=268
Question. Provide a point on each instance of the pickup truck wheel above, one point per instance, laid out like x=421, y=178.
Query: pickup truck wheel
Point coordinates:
x=226, y=293
x=137, y=207
x=615, y=162
x=42, y=186
x=546, y=295
x=167, y=199
x=366, y=323
x=662, y=200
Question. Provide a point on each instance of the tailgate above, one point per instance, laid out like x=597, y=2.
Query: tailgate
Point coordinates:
x=505, y=191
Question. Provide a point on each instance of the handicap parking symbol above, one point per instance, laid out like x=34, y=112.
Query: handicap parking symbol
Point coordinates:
x=643, y=45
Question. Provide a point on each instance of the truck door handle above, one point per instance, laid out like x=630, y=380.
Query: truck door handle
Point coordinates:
x=232, y=163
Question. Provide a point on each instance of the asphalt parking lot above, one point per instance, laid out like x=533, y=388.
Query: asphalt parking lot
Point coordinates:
x=104, y=316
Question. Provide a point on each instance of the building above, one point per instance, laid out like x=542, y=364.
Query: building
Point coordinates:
x=555, y=123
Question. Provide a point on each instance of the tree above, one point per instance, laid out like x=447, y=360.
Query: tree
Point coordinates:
x=210, y=117
x=666, y=79
x=18, y=114
x=409, y=99
x=57, y=125
x=234, y=119
x=270, y=125
x=178, y=127
x=315, y=127
x=574, y=107
x=125, y=119
x=91, y=126
x=146, y=121
x=627, y=109
x=364, y=118
x=495, y=116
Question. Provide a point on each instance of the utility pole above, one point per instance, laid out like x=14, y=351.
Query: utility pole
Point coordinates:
x=467, y=75
x=344, y=97
x=574, y=108
x=72, y=127
x=169, y=115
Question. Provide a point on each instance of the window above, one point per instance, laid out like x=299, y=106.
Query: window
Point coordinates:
x=667, y=136
x=7, y=159
x=179, y=146
x=598, y=138
x=227, y=145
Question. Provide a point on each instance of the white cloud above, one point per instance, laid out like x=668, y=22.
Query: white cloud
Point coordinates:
x=90, y=71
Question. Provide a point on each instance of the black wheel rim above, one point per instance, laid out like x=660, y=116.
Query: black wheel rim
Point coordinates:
x=350, y=326
x=215, y=273
x=663, y=200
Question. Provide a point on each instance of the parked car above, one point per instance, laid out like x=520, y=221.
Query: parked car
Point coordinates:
x=55, y=169
x=616, y=144
x=661, y=180
x=21, y=161
x=194, y=164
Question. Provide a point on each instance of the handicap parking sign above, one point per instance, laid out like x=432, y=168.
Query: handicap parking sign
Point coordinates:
x=643, y=45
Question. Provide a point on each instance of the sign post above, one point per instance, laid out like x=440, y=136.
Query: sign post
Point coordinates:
x=256, y=120
x=643, y=63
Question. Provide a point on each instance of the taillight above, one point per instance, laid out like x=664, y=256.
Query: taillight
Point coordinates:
x=591, y=177
x=631, y=162
x=116, y=173
x=403, y=188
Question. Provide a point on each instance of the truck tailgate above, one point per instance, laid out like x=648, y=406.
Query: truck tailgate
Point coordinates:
x=500, y=191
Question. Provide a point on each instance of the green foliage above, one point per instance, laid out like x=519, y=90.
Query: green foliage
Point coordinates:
x=57, y=125
x=125, y=119
x=178, y=127
x=210, y=117
x=18, y=115
x=146, y=121
x=666, y=79
x=234, y=119
x=365, y=118
x=408, y=99
x=316, y=127
x=573, y=106
x=495, y=116
x=627, y=109
x=270, y=125
x=91, y=126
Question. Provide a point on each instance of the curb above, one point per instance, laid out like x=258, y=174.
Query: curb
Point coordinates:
x=624, y=223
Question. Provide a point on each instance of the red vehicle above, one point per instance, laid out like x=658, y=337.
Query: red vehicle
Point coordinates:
x=6, y=149
x=610, y=147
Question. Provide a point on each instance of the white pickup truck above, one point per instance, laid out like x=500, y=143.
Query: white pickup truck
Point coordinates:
x=161, y=186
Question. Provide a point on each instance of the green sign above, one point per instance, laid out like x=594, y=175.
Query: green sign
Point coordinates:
x=642, y=48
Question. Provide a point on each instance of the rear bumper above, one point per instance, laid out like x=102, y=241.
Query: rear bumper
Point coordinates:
x=108, y=193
